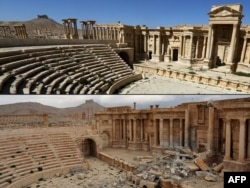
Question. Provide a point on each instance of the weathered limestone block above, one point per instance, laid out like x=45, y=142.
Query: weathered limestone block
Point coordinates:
x=223, y=83
x=213, y=81
x=169, y=152
x=200, y=163
x=218, y=168
x=188, y=77
x=204, y=80
x=180, y=75
x=232, y=85
x=154, y=172
x=129, y=176
x=174, y=74
x=136, y=180
x=201, y=173
x=196, y=78
x=191, y=166
x=210, y=177
x=161, y=72
x=166, y=183
x=167, y=73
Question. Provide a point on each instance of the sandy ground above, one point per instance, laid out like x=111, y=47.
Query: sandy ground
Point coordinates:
x=154, y=84
x=103, y=175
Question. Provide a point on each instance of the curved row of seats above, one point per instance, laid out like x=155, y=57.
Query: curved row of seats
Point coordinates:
x=26, y=155
x=79, y=69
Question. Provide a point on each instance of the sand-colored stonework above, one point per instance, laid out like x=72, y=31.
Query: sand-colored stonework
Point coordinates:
x=180, y=147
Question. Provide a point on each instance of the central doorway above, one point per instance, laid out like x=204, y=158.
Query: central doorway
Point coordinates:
x=89, y=148
x=175, y=55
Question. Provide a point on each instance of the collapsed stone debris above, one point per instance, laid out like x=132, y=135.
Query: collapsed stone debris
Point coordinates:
x=171, y=168
x=170, y=146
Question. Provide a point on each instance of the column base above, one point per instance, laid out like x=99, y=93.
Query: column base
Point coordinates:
x=167, y=58
x=157, y=58
x=118, y=144
x=236, y=166
x=156, y=150
x=135, y=146
x=145, y=146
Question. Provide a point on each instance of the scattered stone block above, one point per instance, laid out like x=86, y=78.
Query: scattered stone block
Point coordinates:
x=201, y=173
x=169, y=152
x=218, y=168
x=210, y=177
x=81, y=176
x=154, y=172
x=200, y=163
x=192, y=167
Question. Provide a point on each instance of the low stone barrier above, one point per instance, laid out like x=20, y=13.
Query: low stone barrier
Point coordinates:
x=123, y=82
x=118, y=163
x=218, y=82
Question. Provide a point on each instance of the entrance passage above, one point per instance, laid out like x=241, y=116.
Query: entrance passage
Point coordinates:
x=125, y=57
x=175, y=55
x=89, y=148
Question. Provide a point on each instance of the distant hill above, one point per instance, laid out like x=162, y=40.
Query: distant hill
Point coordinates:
x=42, y=23
x=26, y=108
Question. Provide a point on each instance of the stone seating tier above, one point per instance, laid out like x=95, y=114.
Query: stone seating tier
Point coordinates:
x=28, y=155
x=33, y=71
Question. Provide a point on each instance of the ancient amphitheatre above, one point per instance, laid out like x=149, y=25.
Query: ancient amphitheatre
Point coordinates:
x=189, y=145
x=183, y=146
x=44, y=57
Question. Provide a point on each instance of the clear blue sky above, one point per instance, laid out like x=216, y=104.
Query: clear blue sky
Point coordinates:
x=152, y=13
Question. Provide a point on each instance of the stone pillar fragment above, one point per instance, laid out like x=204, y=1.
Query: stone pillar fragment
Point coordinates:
x=243, y=53
x=171, y=132
x=134, y=130
x=210, y=129
x=233, y=44
x=186, y=128
x=242, y=141
x=228, y=140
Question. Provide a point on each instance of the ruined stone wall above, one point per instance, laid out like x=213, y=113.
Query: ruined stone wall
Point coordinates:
x=21, y=121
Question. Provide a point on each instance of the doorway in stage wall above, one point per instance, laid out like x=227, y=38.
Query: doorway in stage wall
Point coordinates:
x=221, y=53
x=149, y=55
x=175, y=55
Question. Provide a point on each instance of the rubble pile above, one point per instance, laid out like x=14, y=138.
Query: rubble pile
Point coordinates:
x=172, y=166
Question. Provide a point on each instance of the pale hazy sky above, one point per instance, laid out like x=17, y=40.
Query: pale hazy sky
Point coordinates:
x=143, y=101
x=131, y=12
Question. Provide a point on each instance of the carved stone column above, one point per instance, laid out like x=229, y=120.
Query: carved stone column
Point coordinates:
x=242, y=141
x=171, y=132
x=228, y=140
x=154, y=45
x=134, y=130
x=210, y=129
x=243, y=53
x=155, y=133
x=141, y=129
x=233, y=44
x=130, y=130
x=210, y=42
x=204, y=47
x=191, y=47
x=197, y=47
x=186, y=128
x=161, y=132
x=181, y=133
